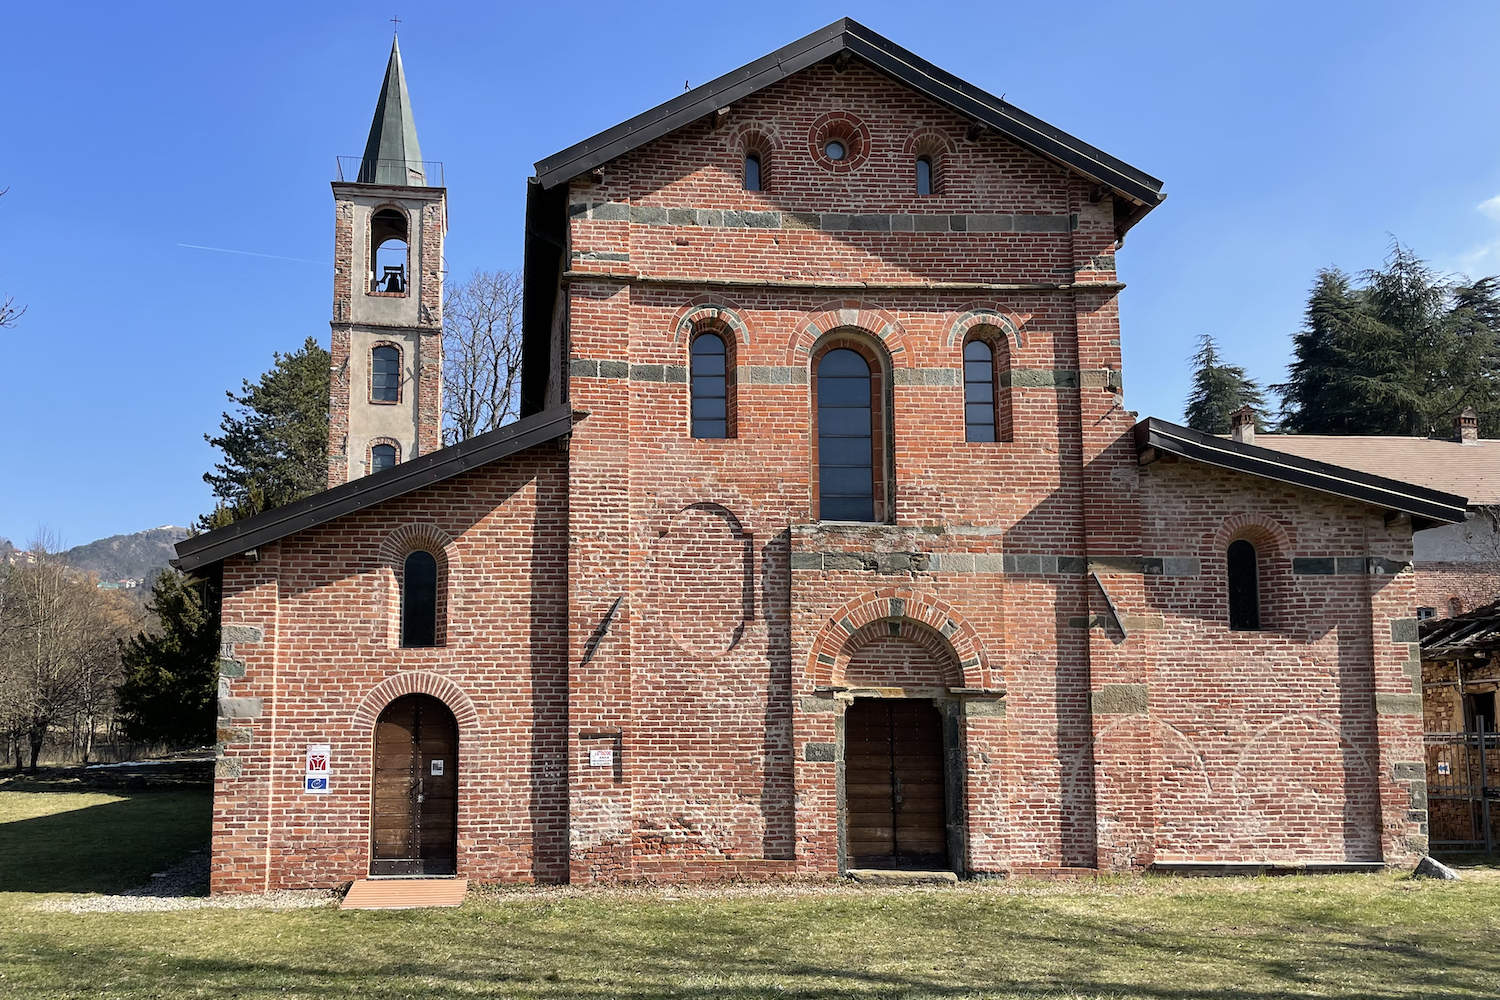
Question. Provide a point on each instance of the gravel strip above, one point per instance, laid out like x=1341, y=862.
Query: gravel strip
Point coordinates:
x=184, y=886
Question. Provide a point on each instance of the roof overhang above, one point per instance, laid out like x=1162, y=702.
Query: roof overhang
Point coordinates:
x=262, y=529
x=1139, y=189
x=1425, y=506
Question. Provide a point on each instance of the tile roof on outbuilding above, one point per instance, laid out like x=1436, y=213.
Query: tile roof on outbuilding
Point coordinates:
x=1470, y=470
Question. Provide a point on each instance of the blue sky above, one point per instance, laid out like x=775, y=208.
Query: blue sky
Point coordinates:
x=1290, y=137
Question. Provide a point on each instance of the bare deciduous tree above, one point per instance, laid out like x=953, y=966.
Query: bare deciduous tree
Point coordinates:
x=8, y=311
x=481, y=354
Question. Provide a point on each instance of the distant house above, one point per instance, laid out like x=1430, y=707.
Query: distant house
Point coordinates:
x=1460, y=700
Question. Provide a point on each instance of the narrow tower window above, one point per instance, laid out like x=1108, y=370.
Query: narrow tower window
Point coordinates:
x=385, y=374
x=1244, y=587
x=382, y=457
x=846, y=457
x=752, y=171
x=924, y=175
x=710, y=387
x=979, y=392
x=419, y=600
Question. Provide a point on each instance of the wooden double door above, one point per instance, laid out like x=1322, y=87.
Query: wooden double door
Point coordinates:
x=414, y=826
x=894, y=789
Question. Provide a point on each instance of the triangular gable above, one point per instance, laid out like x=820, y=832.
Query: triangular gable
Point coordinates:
x=1138, y=189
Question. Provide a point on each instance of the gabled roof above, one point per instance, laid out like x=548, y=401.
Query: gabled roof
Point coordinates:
x=1476, y=634
x=320, y=508
x=846, y=35
x=1426, y=506
x=1470, y=470
x=392, y=155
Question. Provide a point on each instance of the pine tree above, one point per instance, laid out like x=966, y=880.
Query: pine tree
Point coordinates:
x=276, y=446
x=1219, y=390
x=170, y=691
x=1402, y=354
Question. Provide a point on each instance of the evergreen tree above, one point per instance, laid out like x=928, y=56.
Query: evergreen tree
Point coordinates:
x=276, y=446
x=1402, y=354
x=170, y=691
x=1219, y=390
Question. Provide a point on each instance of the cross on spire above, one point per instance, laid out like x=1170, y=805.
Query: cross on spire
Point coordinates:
x=395, y=22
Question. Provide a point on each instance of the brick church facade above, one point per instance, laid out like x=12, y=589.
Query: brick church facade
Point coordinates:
x=824, y=540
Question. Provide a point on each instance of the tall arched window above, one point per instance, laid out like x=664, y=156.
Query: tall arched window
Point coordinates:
x=385, y=374
x=1244, y=587
x=924, y=175
x=419, y=582
x=382, y=457
x=752, y=171
x=979, y=392
x=846, y=438
x=710, y=374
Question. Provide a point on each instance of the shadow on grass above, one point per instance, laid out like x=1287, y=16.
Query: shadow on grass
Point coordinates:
x=108, y=847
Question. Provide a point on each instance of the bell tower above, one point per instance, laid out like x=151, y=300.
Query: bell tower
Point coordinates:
x=385, y=401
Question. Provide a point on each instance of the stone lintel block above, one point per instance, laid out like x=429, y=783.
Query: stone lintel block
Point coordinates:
x=818, y=705
x=1397, y=704
x=985, y=707
x=823, y=752
x=241, y=708
x=1409, y=770
x=231, y=667
x=1119, y=699
x=1404, y=630
x=227, y=767
x=242, y=633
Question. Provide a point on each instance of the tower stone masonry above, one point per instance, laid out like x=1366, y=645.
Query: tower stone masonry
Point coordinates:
x=385, y=401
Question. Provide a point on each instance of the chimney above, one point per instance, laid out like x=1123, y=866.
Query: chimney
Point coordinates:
x=1242, y=425
x=1467, y=426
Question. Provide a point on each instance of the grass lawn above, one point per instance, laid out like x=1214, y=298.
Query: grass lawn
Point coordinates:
x=1349, y=936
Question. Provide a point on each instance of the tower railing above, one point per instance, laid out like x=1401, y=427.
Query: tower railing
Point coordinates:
x=399, y=173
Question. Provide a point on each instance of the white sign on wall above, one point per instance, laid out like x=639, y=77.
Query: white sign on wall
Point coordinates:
x=437, y=768
x=318, y=767
x=602, y=758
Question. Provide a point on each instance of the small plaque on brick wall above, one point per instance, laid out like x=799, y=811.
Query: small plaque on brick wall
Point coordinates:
x=602, y=758
x=319, y=756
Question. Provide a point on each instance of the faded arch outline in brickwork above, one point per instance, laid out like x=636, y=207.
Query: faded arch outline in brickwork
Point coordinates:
x=852, y=314
x=708, y=312
x=724, y=583
x=976, y=315
x=834, y=641
x=415, y=682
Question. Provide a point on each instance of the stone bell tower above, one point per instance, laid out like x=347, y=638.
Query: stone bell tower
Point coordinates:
x=385, y=401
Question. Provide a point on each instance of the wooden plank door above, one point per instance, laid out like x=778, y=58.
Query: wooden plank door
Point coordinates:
x=895, y=807
x=414, y=822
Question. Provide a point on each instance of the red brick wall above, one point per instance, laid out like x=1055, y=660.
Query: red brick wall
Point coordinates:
x=1471, y=585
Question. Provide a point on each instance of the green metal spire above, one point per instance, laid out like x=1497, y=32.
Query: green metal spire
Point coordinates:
x=392, y=155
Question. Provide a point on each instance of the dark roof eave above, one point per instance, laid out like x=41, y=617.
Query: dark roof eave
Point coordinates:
x=1140, y=188
x=309, y=512
x=1391, y=494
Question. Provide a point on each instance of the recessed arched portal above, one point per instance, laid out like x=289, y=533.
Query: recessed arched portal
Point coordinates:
x=895, y=795
x=414, y=805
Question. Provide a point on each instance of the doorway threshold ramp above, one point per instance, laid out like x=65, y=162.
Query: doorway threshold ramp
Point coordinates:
x=900, y=876
x=404, y=893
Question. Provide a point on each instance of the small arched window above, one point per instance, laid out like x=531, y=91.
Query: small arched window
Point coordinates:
x=979, y=392
x=419, y=584
x=924, y=175
x=385, y=374
x=846, y=453
x=1455, y=607
x=710, y=375
x=1244, y=587
x=382, y=457
x=752, y=171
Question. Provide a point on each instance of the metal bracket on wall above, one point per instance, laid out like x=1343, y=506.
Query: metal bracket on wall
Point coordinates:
x=1110, y=603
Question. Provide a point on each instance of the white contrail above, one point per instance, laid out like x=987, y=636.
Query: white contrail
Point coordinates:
x=247, y=253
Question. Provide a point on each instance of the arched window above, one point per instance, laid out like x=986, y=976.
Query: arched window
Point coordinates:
x=1244, y=587
x=710, y=374
x=1455, y=607
x=385, y=374
x=419, y=598
x=979, y=392
x=382, y=457
x=924, y=175
x=752, y=171
x=846, y=437
x=389, y=252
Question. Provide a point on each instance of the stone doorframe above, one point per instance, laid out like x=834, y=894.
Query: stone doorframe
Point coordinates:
x=955, y=770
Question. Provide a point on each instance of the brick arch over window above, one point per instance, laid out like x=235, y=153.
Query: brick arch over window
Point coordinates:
x=754, y=134
x=394, y=549
x=963, y=322
x=1273, y=559
x=706, y=313
x=929, y=140
x=834, y=641
x=830, y=316
x=415, y=682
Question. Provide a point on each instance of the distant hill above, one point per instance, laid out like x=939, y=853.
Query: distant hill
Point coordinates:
x=139, y=556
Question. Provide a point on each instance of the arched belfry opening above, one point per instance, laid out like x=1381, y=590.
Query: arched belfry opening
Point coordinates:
x=414, y=805
x=390, y=252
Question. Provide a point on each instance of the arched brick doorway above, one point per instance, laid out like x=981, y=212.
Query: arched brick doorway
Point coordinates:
x=414, y=805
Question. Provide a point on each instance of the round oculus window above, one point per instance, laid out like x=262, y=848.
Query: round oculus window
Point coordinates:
x=834, y=150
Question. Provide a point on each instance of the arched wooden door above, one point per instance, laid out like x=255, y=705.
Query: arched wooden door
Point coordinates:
x=414, y=816
x=894, y=793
